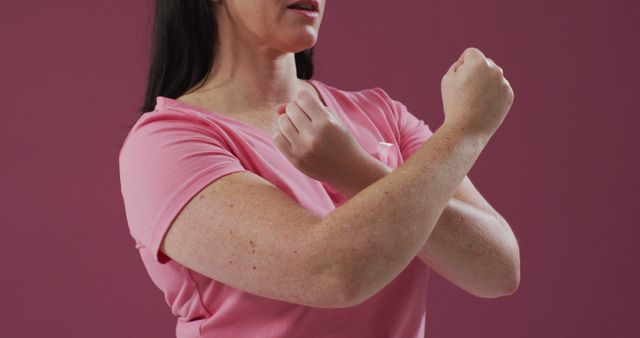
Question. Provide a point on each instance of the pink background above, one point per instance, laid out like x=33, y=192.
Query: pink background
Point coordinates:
x=563, y=168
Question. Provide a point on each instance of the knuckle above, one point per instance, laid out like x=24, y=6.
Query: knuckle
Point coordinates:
x=474, y=52
x=506, y=83
x=303, y=97
x=508, y=89
x=496, y=71
x=331, y=124
x=282, y=119
x=331, y=121
x=324, y=129
x=324, y=124
x=471, y=50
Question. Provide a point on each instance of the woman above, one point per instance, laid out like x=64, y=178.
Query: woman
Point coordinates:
x=267, y=204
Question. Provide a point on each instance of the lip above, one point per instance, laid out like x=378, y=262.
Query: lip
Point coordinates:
x=315, y=4
x=304, y=13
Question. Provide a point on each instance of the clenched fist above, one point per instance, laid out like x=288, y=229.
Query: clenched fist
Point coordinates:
x=475, y=94
x=316, y=141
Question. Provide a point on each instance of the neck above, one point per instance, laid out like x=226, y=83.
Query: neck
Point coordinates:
x=247, y=76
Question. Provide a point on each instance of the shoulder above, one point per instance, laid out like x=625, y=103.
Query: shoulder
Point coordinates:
x=167, y=125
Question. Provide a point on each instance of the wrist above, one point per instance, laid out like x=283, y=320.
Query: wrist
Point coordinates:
x=464, y=130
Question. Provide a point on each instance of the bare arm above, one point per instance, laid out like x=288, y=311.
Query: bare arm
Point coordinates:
x=243, y=231
x=472, y=245
x=475, y=250
x=376, y=233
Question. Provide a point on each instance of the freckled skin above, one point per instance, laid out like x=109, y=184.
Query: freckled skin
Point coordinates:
x=331, y=261
x=386, y=229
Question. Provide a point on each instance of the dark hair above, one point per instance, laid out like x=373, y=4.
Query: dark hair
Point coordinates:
x=183, y=45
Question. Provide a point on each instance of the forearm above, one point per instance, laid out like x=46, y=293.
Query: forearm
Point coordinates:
x=377, y=232
x=471, y=247
x=368, y=171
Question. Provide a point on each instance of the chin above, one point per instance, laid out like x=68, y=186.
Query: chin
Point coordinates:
x=304, y=40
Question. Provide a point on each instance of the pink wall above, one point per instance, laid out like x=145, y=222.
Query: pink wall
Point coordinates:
x=563, y=168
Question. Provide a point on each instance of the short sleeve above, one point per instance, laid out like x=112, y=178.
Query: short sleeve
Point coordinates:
x=166, y=159
x=411, y=131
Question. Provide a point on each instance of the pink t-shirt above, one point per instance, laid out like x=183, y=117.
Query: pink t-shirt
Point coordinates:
x=175, y=151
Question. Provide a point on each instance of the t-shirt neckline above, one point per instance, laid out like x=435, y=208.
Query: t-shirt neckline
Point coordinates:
x=163, y=102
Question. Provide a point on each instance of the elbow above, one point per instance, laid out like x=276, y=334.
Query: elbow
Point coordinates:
x=510, y=280
x=505, y=283
x=349, y=294
x=513, y=271
x=351, y=291
x=336, y=292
